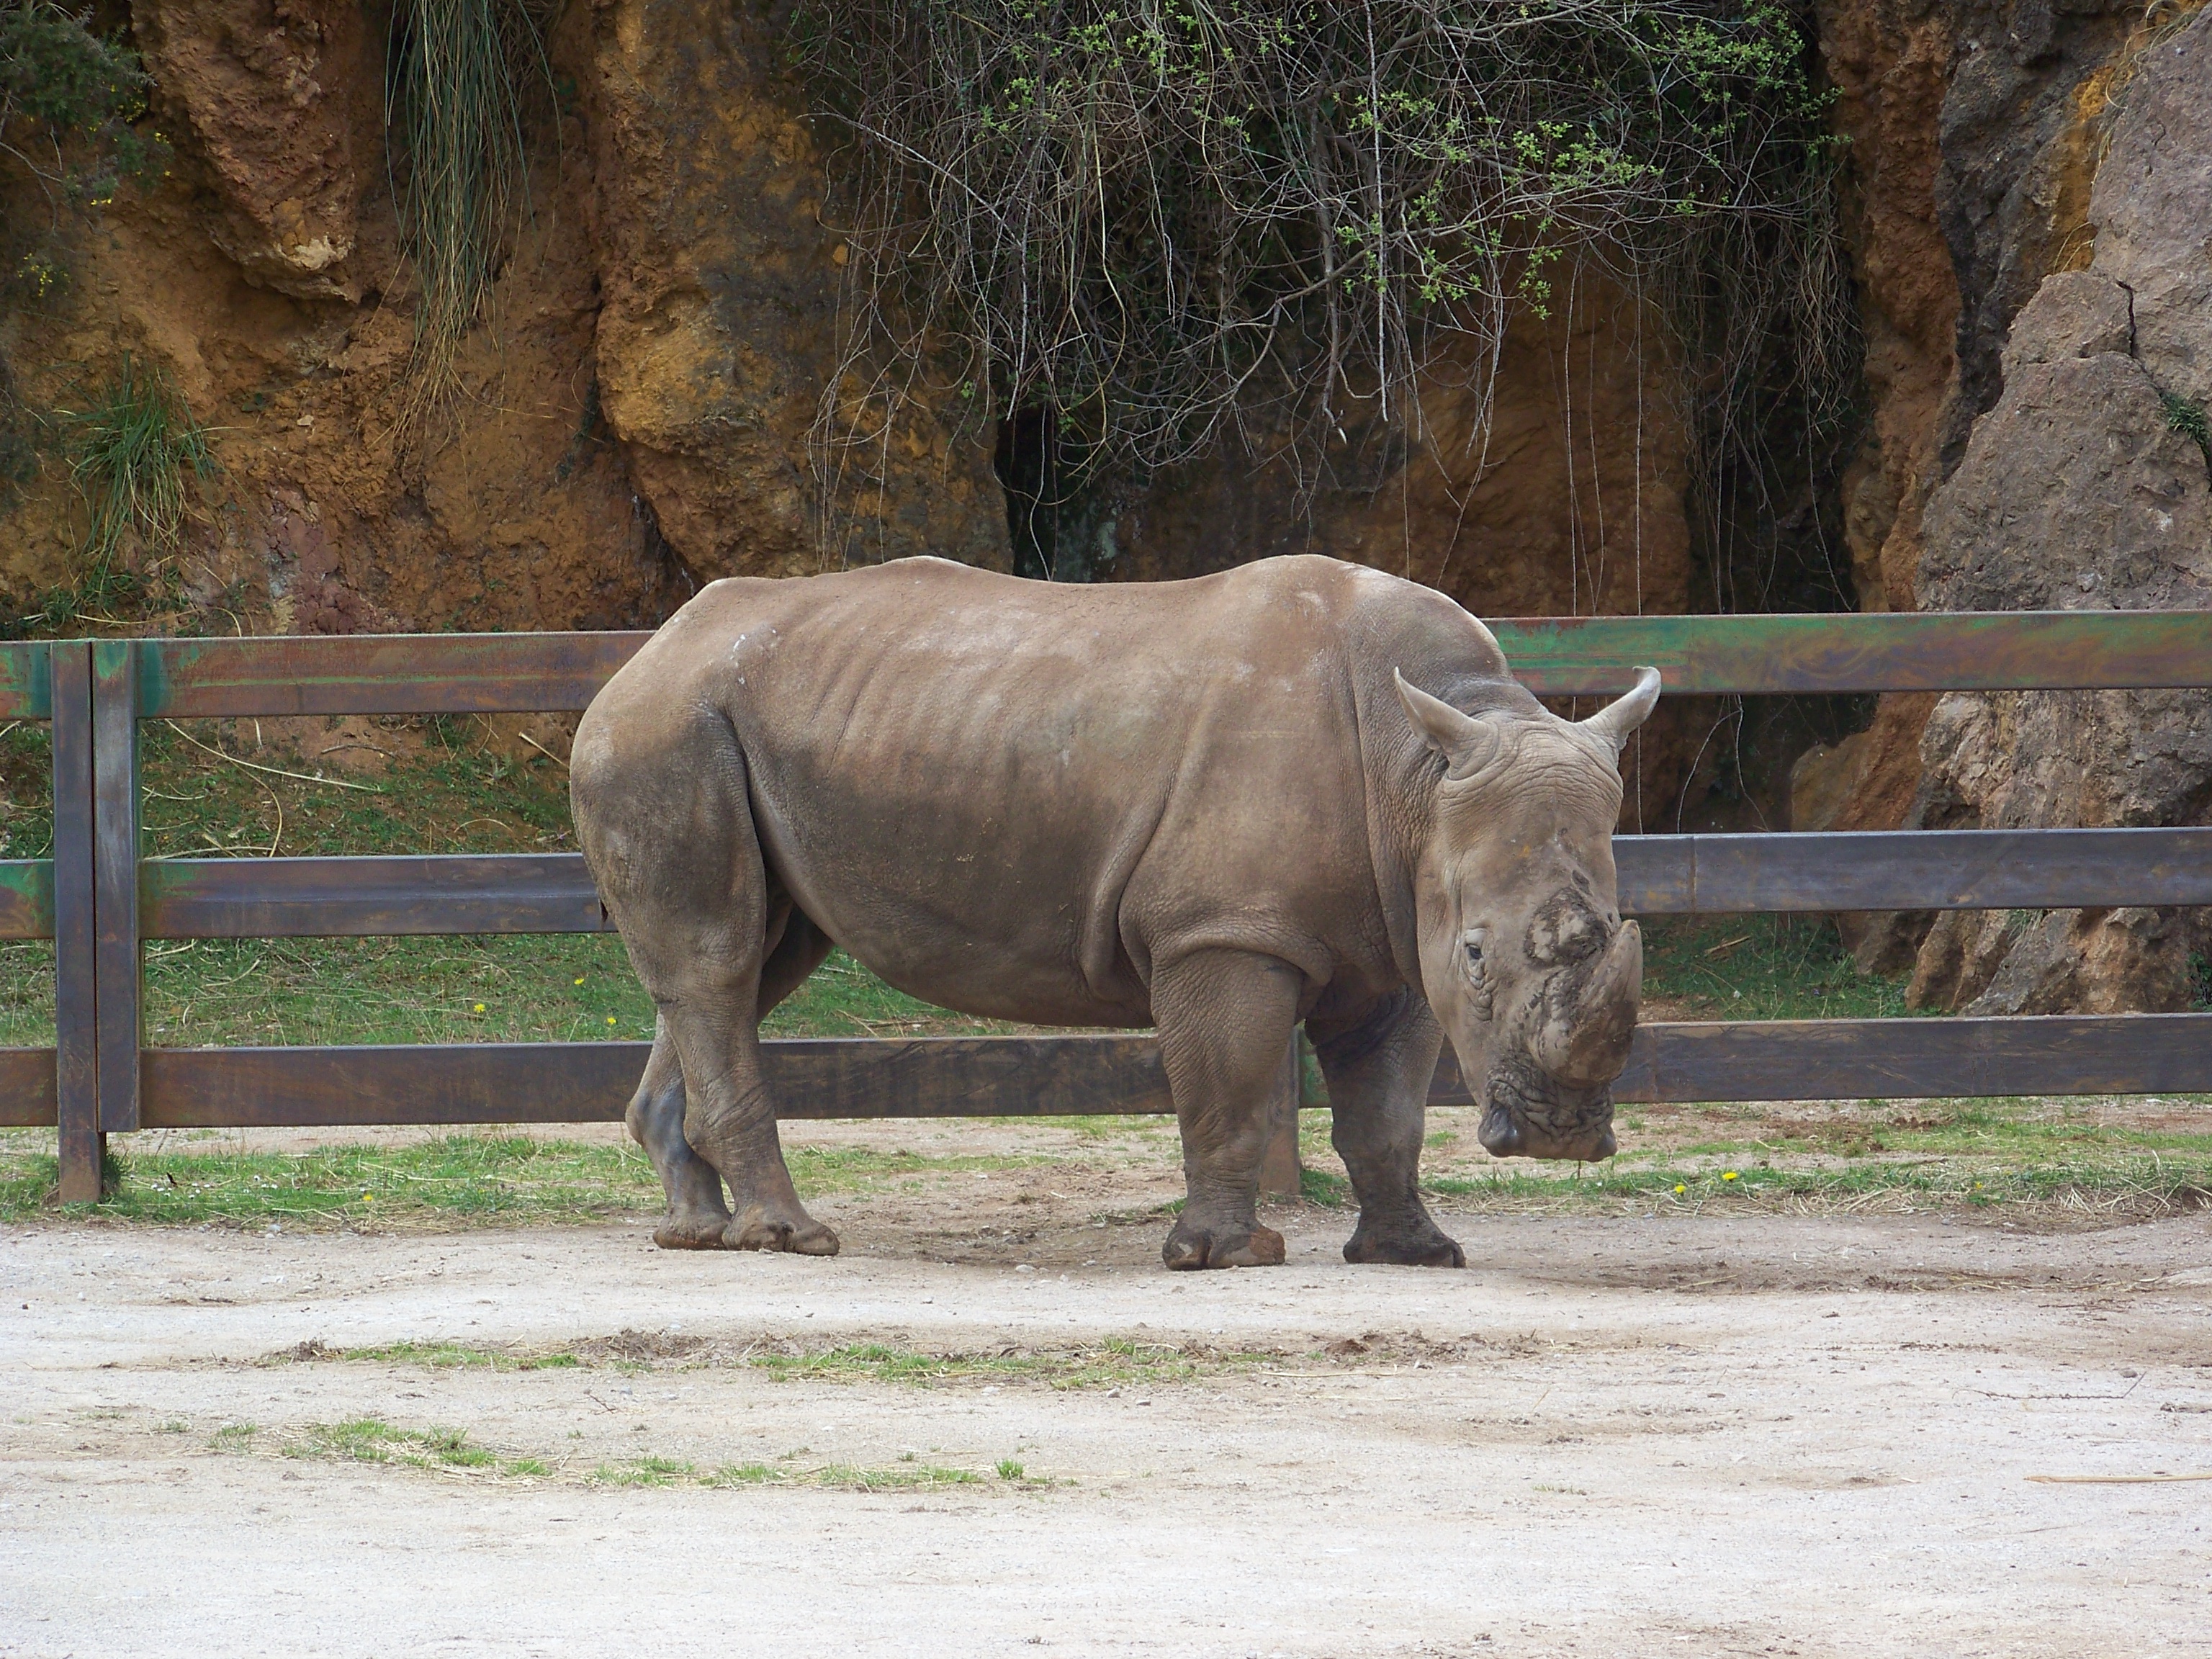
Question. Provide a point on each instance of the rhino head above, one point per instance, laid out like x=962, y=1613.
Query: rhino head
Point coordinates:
x=1524, y=957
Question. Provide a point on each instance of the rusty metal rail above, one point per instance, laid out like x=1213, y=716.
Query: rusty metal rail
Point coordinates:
x=99, y=900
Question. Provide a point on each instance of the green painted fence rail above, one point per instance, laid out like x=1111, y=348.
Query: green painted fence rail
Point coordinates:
x=99, y=900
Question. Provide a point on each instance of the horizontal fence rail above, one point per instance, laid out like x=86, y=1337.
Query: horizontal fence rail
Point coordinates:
x=1913, y=869
x=378, y=674
x=1928, y=651
x=1660, y=875
x=1122, y=1074
x=340, y=897
x=98, y=899
x=26, y=898
x=28, y=1099
x=492, y=673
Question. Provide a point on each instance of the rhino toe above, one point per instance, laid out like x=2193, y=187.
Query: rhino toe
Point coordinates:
x=802, y=1236
x=1425, y=1245
x=1189, y=1247
x=691, y=1232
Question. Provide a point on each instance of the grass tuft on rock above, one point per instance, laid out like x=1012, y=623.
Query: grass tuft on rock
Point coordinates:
x=458, y=143
x=134, y=453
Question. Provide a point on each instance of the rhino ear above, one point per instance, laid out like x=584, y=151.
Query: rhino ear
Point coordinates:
x=1465, y=742
x=1617, y=718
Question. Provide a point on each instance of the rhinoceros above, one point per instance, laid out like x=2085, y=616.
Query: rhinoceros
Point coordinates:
x=1298, y=790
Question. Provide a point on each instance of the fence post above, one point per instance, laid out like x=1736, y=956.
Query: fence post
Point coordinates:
x=1279, y=1169
x=76, y=1004
x=115, y=877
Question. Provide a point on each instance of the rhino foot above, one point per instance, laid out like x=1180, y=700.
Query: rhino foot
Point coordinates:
x=1421, y=1246
x=760, y=1228
x=690, y=1233
x=1190, y=1247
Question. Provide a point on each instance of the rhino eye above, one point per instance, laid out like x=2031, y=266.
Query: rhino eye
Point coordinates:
x=1478, y=976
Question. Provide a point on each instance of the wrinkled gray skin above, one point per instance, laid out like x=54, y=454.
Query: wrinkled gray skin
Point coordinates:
x=1299, y=790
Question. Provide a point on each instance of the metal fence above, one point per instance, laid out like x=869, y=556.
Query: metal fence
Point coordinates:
x=100, y=900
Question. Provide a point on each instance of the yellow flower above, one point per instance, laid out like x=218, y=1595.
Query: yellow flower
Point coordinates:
x=480, y=1007
x=1679, y=1188
x=611, y=1020
x=579, y=979
x=368, y=1198
x=1727, y=1174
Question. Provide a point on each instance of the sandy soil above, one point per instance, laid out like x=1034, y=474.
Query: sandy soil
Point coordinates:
x=1752, y=1435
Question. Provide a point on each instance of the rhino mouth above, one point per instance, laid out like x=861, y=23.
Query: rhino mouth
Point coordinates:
x=1528, y=1114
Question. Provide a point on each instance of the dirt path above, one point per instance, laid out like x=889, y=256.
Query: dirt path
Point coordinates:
x=1761, y=1435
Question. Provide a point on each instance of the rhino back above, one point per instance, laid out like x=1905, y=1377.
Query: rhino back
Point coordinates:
x=1012, y=798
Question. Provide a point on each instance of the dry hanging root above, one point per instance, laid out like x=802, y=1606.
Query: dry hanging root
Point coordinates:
x=1155, y=221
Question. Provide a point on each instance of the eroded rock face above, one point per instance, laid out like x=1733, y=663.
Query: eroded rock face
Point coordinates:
x=718, y=330
x=333, y=509
x=2077, y=493
x=1890, y=62
x=2019, y=143
x=268, y=92
x=2149, y=206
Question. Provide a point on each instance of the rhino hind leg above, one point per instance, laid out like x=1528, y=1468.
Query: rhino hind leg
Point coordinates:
x=678, y=863
x=1378, y=1068
x=1223, y=1018
x=697, y=1215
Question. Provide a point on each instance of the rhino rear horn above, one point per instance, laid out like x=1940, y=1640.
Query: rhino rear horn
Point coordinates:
x=1617, y=718
x=1465, y=742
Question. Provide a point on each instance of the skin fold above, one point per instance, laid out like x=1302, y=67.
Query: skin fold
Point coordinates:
x=1300, y=790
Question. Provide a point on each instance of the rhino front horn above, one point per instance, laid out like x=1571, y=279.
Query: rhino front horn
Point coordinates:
x=1617, y=718
x=1466, y=742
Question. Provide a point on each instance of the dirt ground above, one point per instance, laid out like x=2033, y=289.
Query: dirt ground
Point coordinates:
x=1744, y=1435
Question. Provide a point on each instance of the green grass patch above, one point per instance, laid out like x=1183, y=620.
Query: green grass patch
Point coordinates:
x=373, y=1440
x=1331, y=1192
x=559, y=988
x=641, y=1471
x=748, y=1474
x=462, y=1177
x=2123, y=1186
x=1113, y=1362
x=133, y=453
x=1116, y=1363
x=376, y=1441
x=1760, y=968
x=899, y=1477
x=842, y=1477
x=454, y=1356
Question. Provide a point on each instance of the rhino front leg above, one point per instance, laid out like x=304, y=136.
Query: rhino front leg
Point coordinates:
x=697, y=1215
x=1378, y=1067
x=1224, y=1018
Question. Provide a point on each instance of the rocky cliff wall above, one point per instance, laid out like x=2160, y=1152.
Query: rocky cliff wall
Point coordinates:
x=2082, y=489
x=640, y=411
x=2033, y=177
x=633, y=417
